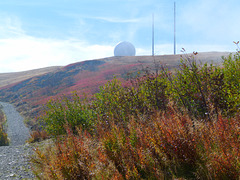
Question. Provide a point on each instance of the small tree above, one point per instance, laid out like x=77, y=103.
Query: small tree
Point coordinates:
x=3, y=138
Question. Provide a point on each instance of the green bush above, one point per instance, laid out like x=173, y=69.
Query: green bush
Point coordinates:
x=231, y=71
x=201, y=89
x=72, y=112
x=112, y=100
x=142, y=96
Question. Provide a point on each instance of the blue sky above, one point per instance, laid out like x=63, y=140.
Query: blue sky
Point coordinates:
x=35, y=34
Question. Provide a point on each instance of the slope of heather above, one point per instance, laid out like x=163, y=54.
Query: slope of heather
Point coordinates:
x=30, y=91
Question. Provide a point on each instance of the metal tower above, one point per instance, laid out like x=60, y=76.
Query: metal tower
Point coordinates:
x=174, y=27
x=152, y=34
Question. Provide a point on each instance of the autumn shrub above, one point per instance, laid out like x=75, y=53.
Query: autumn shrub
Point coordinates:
x=219, y=145
x=163, y=146
x=166, y=145
x=70, y=160
x=72, y=157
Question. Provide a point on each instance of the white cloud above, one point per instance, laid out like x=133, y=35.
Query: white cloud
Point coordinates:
x=19, y=51
x=25, y=53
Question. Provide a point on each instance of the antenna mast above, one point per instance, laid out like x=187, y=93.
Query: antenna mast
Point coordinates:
x=174, y=27
x=152, y=34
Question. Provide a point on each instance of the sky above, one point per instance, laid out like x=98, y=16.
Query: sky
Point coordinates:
x=43, y=33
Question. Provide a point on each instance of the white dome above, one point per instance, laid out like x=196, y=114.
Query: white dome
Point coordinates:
x=124, y=49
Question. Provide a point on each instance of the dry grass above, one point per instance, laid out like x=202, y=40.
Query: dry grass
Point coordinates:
x=14, y=77
x=37, y=136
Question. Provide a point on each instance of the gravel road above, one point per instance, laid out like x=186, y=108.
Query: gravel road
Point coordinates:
x=18, y=133
x=14, y=158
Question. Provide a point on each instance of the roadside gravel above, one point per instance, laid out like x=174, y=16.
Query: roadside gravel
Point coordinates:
x=14, y=162
x=14, y=158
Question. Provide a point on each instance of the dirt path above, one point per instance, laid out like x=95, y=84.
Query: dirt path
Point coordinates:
x=14, y=158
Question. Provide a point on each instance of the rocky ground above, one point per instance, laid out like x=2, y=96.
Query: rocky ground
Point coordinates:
x=14, y=159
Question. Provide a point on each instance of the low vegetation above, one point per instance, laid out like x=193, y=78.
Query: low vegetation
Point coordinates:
x=3, y=135
x=158, y=125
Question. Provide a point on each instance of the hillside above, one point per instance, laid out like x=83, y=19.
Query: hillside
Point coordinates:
x=31, y=89
x=10, y=78
x=14, y=77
